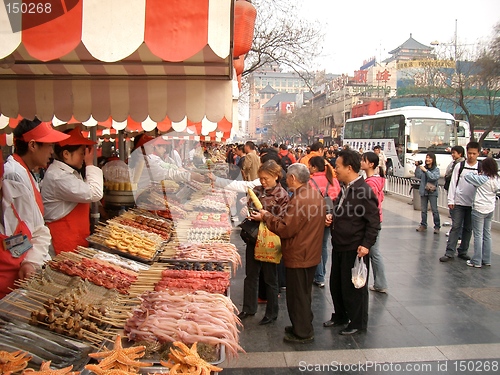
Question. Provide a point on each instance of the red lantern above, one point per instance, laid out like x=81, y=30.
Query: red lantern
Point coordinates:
x=244, y=23
x=239, y=64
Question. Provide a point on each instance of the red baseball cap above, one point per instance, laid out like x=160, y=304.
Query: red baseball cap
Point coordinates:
x=154, y=141
x=44, y=133
x=76, y=139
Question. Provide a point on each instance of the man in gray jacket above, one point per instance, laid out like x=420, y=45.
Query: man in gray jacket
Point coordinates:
x=301, y=232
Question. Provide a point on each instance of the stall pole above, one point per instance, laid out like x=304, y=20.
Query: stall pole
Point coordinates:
x=121, y=145
x=94, y=207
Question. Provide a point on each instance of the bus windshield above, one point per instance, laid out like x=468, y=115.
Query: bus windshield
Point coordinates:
x=429, y=135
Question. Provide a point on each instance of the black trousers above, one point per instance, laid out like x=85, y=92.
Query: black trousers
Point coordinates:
x=299, y=298
x=349, y=303
x=251, y=284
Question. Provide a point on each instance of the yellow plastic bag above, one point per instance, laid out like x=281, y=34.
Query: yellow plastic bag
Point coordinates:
x=268, y=245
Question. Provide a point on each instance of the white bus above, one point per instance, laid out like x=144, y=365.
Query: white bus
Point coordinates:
x=406, y=135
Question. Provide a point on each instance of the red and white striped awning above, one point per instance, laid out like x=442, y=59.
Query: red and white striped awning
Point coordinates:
x=184, y=129
x=131, y=61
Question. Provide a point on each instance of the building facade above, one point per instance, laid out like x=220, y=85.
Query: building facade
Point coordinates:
x=264, y=84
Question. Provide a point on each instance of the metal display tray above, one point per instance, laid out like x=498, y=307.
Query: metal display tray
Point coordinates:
x=124, y=254
x=158, y=368
x=37, y=341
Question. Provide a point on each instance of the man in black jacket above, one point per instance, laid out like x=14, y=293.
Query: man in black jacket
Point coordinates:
x=356, y=222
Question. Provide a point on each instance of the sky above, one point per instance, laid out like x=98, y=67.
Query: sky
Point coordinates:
x=357, y=30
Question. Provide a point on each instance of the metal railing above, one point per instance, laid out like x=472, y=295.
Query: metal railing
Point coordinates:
x=403, y=187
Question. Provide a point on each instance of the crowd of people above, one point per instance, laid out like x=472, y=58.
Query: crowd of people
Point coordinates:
x=352, y=180
x=327, y=201
x=310, y=197
x=51, y=216
x=472, y=187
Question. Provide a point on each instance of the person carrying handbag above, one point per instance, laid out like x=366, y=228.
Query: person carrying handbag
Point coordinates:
x=301, y=233
x=428, y=173
x=274, y=199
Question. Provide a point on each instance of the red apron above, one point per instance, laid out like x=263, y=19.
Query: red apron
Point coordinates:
x=72, y=230
x=9, y=266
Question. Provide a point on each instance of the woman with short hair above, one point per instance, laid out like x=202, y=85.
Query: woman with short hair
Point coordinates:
x=487, y=184
x=274, y=199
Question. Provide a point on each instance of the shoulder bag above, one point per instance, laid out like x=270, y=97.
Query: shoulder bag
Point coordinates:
x=430, y=187
x=249, y=230
x=326, y=197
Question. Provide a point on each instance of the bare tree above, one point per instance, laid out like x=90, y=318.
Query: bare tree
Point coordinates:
x=488, y=66
x=462, y=79
x=282, y=37
x=302, y=122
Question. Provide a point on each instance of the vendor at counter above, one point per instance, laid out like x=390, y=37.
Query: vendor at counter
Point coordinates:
x=146, y=167
x=22, y=207
x=70, y=184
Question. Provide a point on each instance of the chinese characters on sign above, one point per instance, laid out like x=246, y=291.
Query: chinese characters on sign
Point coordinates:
x=425, y=64
x=360, y=76
x=383, y=76
x=340, y=82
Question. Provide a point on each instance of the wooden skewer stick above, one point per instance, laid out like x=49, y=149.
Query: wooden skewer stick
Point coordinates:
x=14, y=314
x=24, y=305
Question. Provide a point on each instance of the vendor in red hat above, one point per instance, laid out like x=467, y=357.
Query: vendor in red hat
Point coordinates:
x=26, y=240
x=70, y=184
x=20, y=256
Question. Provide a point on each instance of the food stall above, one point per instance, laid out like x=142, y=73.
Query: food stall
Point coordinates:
x=129, y=66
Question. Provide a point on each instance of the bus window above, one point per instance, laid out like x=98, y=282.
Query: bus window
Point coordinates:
x=378, y=128
x=460, y=131
x=393, y=124
x=357, y=130
x=367, y=129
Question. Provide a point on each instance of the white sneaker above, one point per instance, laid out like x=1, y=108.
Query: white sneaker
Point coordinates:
x=470, y=264
x=380, y=290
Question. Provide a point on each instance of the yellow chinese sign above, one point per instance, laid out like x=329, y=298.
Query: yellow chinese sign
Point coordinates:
x=425, y=64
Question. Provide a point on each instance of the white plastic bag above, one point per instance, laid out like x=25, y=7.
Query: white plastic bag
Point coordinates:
x=359, y=273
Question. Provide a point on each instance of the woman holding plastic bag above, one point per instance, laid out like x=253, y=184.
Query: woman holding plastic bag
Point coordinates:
x=273, y=199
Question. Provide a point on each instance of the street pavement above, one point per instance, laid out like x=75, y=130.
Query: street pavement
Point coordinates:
x=436, y=317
